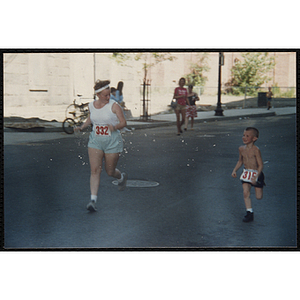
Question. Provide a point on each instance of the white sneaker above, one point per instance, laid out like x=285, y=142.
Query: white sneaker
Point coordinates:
x=91, y=206
x=122, y=184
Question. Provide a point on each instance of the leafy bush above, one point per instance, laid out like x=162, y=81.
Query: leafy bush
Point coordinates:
x=251, y=72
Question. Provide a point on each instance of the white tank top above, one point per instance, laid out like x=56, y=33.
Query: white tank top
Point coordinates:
x=103, y=116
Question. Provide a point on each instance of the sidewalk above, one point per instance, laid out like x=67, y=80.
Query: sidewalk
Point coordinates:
x=16, y=124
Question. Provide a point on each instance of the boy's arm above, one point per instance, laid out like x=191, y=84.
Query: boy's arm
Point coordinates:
x=260, y=163
x=238, y=165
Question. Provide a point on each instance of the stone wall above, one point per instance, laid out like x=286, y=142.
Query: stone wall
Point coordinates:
x=43, y=84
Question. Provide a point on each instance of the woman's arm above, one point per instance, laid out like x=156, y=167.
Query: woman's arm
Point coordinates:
x=87, y=123
x=187, y=101
x=116, y=108
x=175, y=94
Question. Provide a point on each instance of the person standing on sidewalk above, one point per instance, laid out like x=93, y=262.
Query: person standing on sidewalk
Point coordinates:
x=117, y=94
x=180, y=94
x=269, y=97
x=191, y=110
x=105, y=141
x=250, y=157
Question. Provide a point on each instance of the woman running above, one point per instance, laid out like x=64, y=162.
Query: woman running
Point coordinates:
x=105, y=141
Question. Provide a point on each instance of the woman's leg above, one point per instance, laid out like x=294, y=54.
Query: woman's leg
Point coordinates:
x=177, y=112
x=192, y=122
x=111, y=161
x=95, y=158
x=183, y=114
x=186, y=119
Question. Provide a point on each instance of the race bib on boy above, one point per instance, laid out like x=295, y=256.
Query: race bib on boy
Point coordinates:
x=248, y=175
x=101, y=130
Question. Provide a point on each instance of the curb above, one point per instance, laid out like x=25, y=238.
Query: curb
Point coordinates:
x=212, y=119
x=33, y=129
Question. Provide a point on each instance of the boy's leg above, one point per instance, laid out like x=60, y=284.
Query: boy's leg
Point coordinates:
x=259, y=193
x=246, y=193
x=259, y=186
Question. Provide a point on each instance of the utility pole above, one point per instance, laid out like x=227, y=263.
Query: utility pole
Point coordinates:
x=219, y=110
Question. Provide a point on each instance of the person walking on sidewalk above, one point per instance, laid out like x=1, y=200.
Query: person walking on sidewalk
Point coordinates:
x=105, y=141
x=191, y=110
x=250, y=157
x=180, y=94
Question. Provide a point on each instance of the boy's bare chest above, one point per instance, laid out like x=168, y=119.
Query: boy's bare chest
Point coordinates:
x=248, y=156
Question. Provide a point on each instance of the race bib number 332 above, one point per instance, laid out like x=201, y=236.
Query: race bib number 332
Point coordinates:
x=102, y=130
x=248, y=175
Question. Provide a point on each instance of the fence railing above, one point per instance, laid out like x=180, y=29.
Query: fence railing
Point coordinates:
x=244, y=97
x=248, y=91
x=241, y=97
x=251, y=96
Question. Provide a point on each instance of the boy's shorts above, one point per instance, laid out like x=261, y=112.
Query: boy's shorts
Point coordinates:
x=108, y=144
x=260, y=183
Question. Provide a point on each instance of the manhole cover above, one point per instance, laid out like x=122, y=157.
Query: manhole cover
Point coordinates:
x=139, y=183
x=206, y=135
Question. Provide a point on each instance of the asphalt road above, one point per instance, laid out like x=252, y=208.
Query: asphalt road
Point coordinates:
x=196, y=205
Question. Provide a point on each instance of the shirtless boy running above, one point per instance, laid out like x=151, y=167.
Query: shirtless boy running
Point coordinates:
x=250, y=157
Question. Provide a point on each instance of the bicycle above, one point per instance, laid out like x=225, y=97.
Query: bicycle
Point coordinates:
x=80, y=113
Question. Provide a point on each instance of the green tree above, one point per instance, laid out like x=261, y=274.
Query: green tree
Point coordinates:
x=150, y=59
x=154, y=57
x=196, y=77
x=250, y=72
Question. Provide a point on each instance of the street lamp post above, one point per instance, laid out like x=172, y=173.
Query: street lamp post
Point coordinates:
x=219, y=110
x=94, y=57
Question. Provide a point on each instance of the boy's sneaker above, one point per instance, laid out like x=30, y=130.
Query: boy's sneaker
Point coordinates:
x=91, y=206
x=122, y=184
x=249, y=217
